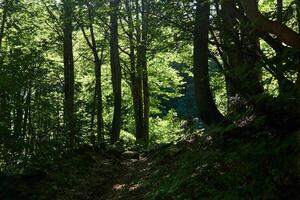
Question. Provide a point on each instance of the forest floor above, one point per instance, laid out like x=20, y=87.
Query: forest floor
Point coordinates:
x=97, y=175
x=194, y=168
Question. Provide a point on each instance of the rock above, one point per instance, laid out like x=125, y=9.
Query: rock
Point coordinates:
x=174, y=151
x=130, y=155
x=114, y=150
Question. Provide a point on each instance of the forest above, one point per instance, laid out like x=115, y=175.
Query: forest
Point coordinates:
x=149, y=99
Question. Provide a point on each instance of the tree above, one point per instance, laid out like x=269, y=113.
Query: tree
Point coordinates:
x=146, y=94
x=98, y=60
x=4, y=111
x=284, y=33
x=138, y=71
x=240, y=57
x=69, y=109
x=208, y=111
x=115, y=70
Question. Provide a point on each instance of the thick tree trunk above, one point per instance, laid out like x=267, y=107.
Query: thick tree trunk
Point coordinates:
x=69, y=116
x=242, y=64
x=208, y=111
x=297, y=85
x=115, y=70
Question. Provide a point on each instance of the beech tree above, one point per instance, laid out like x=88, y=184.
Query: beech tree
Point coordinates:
x=69, y=109
x=208, y=111
x=4, y=111
x=98, y=61
x=137, y=34
x=115, y=70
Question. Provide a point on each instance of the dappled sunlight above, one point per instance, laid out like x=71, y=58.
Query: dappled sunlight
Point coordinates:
x=118, y=187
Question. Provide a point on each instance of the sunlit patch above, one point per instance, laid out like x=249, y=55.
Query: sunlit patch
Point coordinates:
x=134, y=187
x=118, y=187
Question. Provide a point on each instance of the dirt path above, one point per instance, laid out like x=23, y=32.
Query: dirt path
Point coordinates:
x=127, y=185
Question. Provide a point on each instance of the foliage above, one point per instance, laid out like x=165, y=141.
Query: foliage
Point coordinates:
x=167, y=129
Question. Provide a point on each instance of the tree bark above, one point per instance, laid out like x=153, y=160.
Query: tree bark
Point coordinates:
x=115, y=71
x=3, y=22
x=146, y=95
x=279, y=10
x=139, y=76
x=208, y=111
x=98, y=87
x=298, y=14
x=4, y=107
x=69, y=116
x=135, y=86
x=242, y=49
x=284, y=33
x=139, y=72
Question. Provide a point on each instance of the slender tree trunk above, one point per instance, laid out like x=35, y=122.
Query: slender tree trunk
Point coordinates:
x=31, y=132
x=98, y=87
x=139, y=74
x=26, y=113
x=98, y=64
x=115, y=70
x=3, y=22
x=69, y=109
x=4, y=107
x=279, y=10
x=93, y=137
x=97, y=100
x=136, y=81
x=146, y=95
x=208, y=111
x=298, y=13
x=25, y=132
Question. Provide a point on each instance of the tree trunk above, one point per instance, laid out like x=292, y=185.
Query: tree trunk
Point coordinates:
x=279, y=10
x=135, y=73
x=243, y=72
x=298, y=13
x=284, y=33
x=115, y=70
x=98, y=86
x=208, y=111
x=69, y=116
x=146, y=95
x=3, y=22
x=93, y=137
x=297, y=85
x=4, y=107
